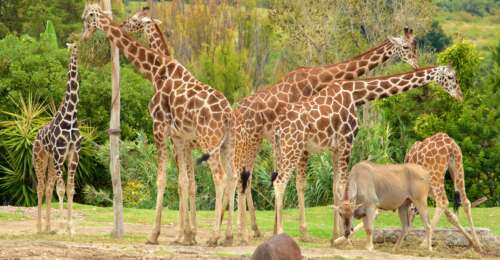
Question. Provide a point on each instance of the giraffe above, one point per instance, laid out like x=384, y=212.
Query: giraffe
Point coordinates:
x=142, y=22
x=55, y=142
x=182, y=108
x=438, y=153
x=328, y=121
x=256, y=113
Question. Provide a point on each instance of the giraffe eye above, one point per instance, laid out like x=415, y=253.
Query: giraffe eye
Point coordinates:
x=406, y=47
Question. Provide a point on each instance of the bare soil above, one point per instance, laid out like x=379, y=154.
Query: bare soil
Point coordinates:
x=19, y=240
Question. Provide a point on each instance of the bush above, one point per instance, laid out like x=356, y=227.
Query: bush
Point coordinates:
x=96, y=197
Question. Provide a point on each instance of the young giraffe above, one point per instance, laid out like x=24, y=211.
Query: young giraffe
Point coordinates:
x=328, y=121
x=56, y=141
x=256, y=113
x=438, y=153
x=142, y=22
x=184, y=109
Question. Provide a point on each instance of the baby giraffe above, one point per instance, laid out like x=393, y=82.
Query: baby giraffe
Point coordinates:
x=55, y=142
x=386, y=187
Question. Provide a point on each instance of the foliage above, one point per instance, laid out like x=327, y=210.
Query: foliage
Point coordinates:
x=435, y=39
x=92, y=196
x=476, y=7
x=222, y=66
x=49, y=36
x=17, y=132
x=474, y=123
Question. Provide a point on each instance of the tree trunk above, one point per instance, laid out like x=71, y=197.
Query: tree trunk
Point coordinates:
x=114, y=138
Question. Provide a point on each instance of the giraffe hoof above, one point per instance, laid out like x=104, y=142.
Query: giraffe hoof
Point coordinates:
x=305, y=238
x=213, y=242
x=149, y=242
x=257, y=234
x=228, y=241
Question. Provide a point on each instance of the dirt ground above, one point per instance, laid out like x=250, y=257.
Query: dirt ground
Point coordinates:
x=18, y=240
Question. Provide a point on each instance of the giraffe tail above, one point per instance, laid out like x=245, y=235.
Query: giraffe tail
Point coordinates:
x=456, y=172
x=457, y=202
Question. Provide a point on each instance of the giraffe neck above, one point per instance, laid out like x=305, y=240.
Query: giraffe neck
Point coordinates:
x=145, y=60
x=156, y=38
x=364, y=91
x=72, y=94
x=369, y=60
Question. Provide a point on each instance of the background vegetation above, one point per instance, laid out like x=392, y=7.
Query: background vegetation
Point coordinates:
x=238, y=48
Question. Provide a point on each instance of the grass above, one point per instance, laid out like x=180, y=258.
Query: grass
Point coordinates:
x=484, y=31
x=319, y=219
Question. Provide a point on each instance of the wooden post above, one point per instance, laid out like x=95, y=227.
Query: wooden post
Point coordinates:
x=114, y=137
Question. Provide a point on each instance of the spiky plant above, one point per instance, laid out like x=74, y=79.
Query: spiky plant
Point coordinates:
x=17, y=132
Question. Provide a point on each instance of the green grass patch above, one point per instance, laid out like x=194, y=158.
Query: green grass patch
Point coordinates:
x=319, y=219
x=12, y=216
x=483, y=31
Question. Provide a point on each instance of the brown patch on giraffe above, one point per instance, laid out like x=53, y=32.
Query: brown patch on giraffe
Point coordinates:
x=325, y=77
x=142, y=54
x=339, y=75
x=351, y=67
x=394, y=90
x=362, y=63
x=116, y=32
x=151, y=57
x=349, y=76
x=359, y=94
x=323, y=123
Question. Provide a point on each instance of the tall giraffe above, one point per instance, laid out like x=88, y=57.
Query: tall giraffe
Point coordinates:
x=328, y=121
x=55, y=142
x=182, y=108
x=438, y=153
x=142, y=22
x=256, y=113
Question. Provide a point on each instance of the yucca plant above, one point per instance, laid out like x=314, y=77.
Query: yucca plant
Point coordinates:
x=17, y=132
x=17, y=176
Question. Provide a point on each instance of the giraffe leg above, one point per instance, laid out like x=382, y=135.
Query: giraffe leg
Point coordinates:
x=251, y=155
x=300, y=182
x=422, y=209
x=180, y=146
x=192, y=194
x=159, y=138
x=467, y=209
x=52, y=177
x=40, y=159
x=279, y=191
x=453, y=219
x=74, y=158
x=251, y=209
x=231, y=177
x=220, y=180
x=242, y=215
x=340, y=162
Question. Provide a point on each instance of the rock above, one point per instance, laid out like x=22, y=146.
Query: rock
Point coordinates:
x=451, y=236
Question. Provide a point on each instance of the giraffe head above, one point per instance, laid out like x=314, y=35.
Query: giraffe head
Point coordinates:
x=447, y=78
x=91, y=16
x=405, y=47
x=139, y=21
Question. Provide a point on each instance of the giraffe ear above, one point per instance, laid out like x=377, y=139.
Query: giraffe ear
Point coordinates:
x=158, y=22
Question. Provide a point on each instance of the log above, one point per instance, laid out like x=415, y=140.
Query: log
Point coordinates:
x=450, y=236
